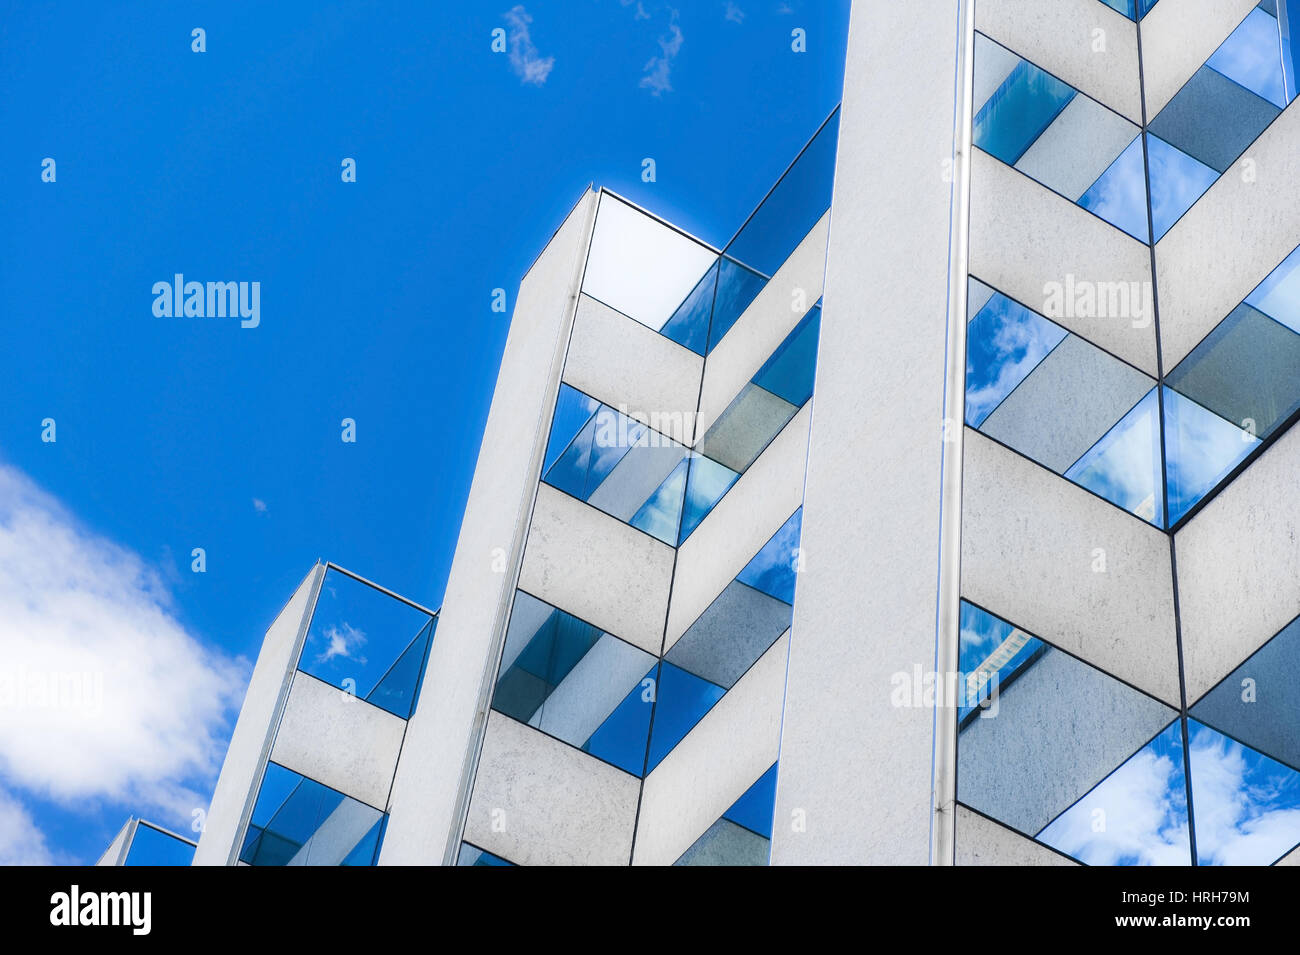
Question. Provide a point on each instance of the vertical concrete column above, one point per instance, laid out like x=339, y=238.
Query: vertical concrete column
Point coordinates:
x=443, y=736
x=855, y=780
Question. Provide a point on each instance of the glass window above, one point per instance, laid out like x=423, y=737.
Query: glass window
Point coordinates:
x=153, y=846
x=1005, y=342
x=622, y=466
x=1213, y=119
x=367, y=642
x=1041, y=729
x=1251, y=56
x=1245, y=806
x=298, y=821
x=1259, y=702
x=1200, y=449
x=748, y=616
x=1135, y=816
x=743, y=835
x=1124, y=466
x=1177, y=181
x=640, y=266
x=473, y=855
x=572, y=681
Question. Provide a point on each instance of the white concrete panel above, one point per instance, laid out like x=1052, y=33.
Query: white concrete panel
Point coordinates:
x=734, y=744
x=858, y=768
x=628, y=366
x=1291, y=858
x=1061, y=37
x=1228, y=242
x=1078, y=147
x=1024, y=237
x=764, y=325
x=1030, y=542
x=1178, y=36
x=1239, y=567
x=336, y=739
x=268, y=689
x=443, y=732
x=981, y=841
x=738, y=527
x=538, y=801
x=595, y=567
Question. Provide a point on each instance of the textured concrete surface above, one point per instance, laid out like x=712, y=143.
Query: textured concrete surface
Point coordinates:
x=338, y=740
x=1023, y=236
x=1239, y=567
x=981, y=842
x=1061, y=37
x=1228, y=242
x=598, y=568
x=1030, y=542
x=538, y=801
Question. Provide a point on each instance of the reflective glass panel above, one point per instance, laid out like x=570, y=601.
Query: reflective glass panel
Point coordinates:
x=572, y=681
x=1246, y=806
x=1177, y=181
x=1019, y=111
x=641, y=266
x=152, y=846
x=1124, y=466
x=1135, y=816
x=360, y=633
x=298, y=821
x=473, y=855
x=1200, y=449
x=1005, y=342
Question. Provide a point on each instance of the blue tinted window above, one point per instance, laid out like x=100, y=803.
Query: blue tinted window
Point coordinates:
x=473, y=855
x=1124, y=466
x=1005, y=342
x=1246, y=806
x=1200, y=449
x=1251, y=56
x=359, y=633
x=573, y=410
x=298, y=821
x=1177, y=181
x=682, y=699
x=706, y=483
x=1018, y=111
x=1144, y=805
x=1120, y=195
x=689, y=325
x=151, y=846
x=772, y=569
x=755, y=807
x=789, y=373
x=570, y=680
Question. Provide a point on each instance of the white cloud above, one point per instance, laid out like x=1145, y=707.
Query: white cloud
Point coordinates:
x=259, y=505
x=658, y=68
x=21, y=843
x=104, y=694
x=734, y=13
x=343, y=642
x=531, y=68
x=640, y=9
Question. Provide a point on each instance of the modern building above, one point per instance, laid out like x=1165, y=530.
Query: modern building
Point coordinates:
x=947, y=515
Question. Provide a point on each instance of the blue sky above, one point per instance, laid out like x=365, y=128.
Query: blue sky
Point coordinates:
x=176, y=433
